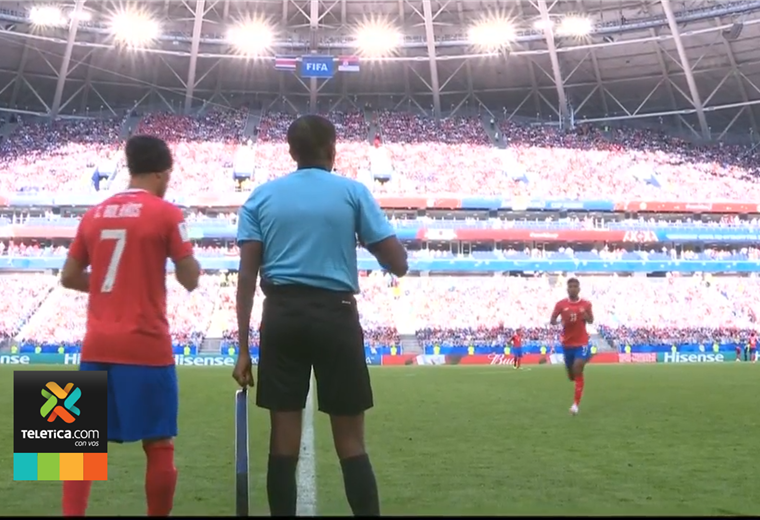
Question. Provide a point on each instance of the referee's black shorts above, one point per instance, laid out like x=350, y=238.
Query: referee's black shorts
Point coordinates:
x=304, y=327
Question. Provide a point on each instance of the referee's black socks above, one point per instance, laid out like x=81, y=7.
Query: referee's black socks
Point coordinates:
x=361, y=487
x=282, y=489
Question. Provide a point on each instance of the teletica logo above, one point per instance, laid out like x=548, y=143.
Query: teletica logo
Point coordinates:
x=316, y=67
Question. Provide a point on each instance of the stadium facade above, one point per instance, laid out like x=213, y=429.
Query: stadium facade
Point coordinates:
x=691, y=65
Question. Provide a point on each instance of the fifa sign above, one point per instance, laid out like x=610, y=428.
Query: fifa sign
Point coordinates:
x=317, y=66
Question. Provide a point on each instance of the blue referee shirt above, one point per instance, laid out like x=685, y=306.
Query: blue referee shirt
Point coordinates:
x=308, y=222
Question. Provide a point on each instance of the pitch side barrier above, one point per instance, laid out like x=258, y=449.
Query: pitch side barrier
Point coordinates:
x=468, y=202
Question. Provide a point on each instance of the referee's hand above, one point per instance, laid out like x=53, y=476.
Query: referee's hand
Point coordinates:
x=243, y=371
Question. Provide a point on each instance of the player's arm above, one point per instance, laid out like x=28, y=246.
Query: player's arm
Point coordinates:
x=74, y=274
x=376, y=234
x=187, y=270
x=588, y=314
x=251, y=246
x=555, y=314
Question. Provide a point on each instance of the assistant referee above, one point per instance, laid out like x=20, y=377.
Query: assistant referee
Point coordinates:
x=301, y=232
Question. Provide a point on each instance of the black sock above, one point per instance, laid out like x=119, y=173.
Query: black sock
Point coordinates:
x=361, y=487
x=282, y=490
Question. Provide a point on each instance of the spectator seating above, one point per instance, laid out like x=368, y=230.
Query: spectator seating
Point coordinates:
x=454, y=156
x=446, y=311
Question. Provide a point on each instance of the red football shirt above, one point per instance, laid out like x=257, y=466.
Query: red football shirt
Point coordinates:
x=573, y=326
x=516, y=341
x=126, y=240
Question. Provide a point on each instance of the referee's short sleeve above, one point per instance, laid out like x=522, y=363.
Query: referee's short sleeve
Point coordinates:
x=249, y=227
x=372, y=224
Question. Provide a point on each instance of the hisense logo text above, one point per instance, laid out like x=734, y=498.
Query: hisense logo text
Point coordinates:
x=693, y=358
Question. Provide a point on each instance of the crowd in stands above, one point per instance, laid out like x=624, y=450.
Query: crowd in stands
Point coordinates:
x=453, y=156
x=628, y=310
x=22, y=295
x=60, y=156
x=376, y=311
x=61, y=318
x=443, y=310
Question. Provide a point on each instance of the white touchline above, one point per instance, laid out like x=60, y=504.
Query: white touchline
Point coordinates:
x=307, y=470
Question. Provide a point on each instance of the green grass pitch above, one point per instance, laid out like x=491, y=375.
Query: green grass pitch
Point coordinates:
x=650, y=439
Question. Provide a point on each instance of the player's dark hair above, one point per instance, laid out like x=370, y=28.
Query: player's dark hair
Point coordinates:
x=311, y=139
x=573, y=280
x=148, y=154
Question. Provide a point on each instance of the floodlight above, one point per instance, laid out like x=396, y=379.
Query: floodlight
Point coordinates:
x=577, y=26
x=492, y=34
x=377, y=39
x=541, y=25
x=134, y=28
x=82, y=16
x=46, y=16
x=251, y=38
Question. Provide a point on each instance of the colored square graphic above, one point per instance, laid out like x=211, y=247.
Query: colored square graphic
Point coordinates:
x=72, y=466
x=48, y=466
x=24, y=466
x=96, y=466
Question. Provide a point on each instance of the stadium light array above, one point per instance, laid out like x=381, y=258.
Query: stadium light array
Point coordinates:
x=133, y=28
x=46, y=16
x=575, y=26
x=251, y=37
x=541, y=25
x=492, y=34
x=377, y=39
x=82, y=16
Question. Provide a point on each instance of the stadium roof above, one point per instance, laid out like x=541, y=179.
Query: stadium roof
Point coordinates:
x=695, y=61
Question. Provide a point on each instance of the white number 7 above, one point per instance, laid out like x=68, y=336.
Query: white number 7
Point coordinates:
x=120, y=235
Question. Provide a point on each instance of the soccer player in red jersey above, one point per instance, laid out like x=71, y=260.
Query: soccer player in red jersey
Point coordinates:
x=126, y=240
x=574, y=313
x=753, y=348
x=517, y=349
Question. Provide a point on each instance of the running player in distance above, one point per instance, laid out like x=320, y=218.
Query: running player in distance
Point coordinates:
x=574, y=314
x=517, y=349
x=126, y=240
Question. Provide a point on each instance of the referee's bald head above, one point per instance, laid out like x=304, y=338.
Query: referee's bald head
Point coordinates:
x=312, y=142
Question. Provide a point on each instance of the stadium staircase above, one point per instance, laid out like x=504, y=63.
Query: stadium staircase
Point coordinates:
x=371, y=120
x=47, y=308
x=129, y=125
x=406, y=327
x=497, y=139
x=251, y=124
x=7, y=129
x=601, y=344
x=212, y=342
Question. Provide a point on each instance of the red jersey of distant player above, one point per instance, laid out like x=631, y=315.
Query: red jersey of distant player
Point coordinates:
x=516, y=340
x=572, y=313
x=126, y=241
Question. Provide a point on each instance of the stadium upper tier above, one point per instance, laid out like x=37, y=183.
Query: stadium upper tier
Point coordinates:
x=437, y=309
x=427, y=157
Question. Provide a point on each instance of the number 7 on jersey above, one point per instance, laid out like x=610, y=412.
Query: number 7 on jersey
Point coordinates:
x=120, y=236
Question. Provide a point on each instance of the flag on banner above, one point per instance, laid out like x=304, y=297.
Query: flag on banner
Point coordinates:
x=285, y=63
x=348, y=63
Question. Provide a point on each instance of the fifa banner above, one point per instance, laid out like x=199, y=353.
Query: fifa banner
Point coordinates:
x=181, y=360
x=322, y=67
x=489, y=359
x=681, y=357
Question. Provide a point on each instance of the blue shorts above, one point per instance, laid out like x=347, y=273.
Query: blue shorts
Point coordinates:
x=573, y=353
x=143, y=401
x=517, y=352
